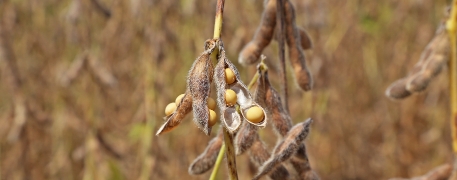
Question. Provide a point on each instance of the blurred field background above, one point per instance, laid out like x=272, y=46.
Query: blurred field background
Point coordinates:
x=84, y=83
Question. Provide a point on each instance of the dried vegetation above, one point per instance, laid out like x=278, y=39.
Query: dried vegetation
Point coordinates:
x=83, y=85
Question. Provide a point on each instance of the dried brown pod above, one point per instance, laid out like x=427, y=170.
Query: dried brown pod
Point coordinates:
x=207, y=159
x=199, y=85
x=301, y=164
x=418, y=82
x=229, y=114
x=245, y=137
x=286, y=148
x=397, y=90
x=305, y=40
x=442, y=172
x=435, y=57
x=252, y=51
x=296, y=54
x=174, y=119
x=259, y=154
x=430, y=64
x=271, y=99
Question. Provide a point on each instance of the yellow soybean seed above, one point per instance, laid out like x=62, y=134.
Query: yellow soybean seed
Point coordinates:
x=229, y=76
x=178, y=99
x=170, y=108
x=230, y=97
x=212, y=118
x=211, y=103
x=254, y=114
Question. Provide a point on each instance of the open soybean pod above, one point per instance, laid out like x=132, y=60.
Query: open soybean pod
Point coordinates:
x=296, y=54
x=252, y=51
x=229, y=114
x=230, y=118
x=175, y=118
x=199, y=85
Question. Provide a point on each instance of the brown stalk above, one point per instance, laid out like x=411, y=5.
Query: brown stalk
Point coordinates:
x=282, y=58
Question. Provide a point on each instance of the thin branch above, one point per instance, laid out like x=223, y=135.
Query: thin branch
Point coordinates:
x=280, y=38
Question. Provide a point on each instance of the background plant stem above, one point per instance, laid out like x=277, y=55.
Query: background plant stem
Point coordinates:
x=280, y=19
x=451, y=26
x=227, y=147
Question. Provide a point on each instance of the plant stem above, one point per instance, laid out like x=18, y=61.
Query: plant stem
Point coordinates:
x=228, y=138
x=280, y=19
x=223, y=148
x=451, y=27
x=218, y=162
x=218, y=21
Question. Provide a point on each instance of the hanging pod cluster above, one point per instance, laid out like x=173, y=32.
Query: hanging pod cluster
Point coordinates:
x=233, y=98
x=290, y=147
x=431, y=61
x=297, y=41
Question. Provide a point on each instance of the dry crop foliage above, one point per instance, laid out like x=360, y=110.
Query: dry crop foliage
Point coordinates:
x=435, y=56
x=241, y=113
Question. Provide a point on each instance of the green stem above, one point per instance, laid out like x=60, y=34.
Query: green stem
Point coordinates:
x=220, y=156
